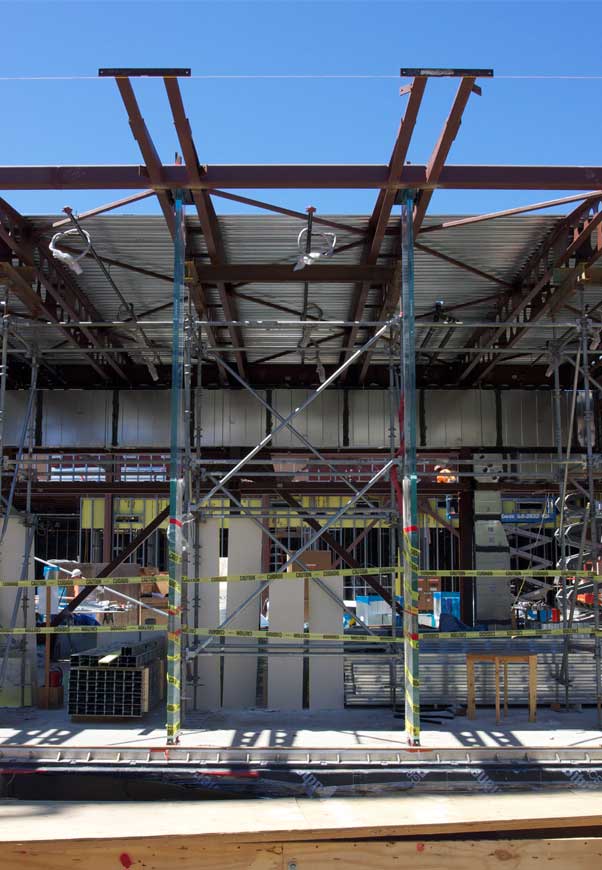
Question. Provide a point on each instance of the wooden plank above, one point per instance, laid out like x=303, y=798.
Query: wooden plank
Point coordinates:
x=166, y=853
x=294, y=819
x=577, y=853
x=580, y=853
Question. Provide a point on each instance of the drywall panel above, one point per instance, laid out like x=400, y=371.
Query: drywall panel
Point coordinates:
x=203, y=607
x=458, y=418
x=11, y=567
x=370, y=419
x=230, y=418
x=144, y=419
x=14, y=416
x=285, y=674
x=326, y=673
x=322, y=422
x=76, y=418
x=244, y=557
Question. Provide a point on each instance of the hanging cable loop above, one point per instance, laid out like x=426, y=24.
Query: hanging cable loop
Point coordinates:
x=70, y=260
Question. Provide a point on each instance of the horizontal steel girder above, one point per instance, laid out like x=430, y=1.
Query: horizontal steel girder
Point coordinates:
x=278, y=273
x=272, y=176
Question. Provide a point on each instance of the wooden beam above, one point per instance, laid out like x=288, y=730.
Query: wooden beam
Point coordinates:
x=192, y=853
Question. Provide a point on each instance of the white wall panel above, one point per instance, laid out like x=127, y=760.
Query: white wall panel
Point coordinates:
x=77, y=418
x=369, y=418
x=231, y=418
x=144, y=418
x=456, y=418
x=528, y=417
x=322, y=422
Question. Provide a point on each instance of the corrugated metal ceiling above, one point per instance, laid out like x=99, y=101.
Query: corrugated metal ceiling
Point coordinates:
x=498, y=247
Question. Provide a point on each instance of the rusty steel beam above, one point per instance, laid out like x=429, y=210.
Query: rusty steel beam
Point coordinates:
x=442, y=148
x=280, y=273
x=540, y=300
x=381, y=212
x=487, y=276
x=207, y=217
x=154, y=167
x=332, y=542
x=434, y=169
x=509, y=212
x=552, y=303
x=100, y=209
x=301, y=176
x=56, y=295
x=288, y=212
x=156, y=174
x=127, y=551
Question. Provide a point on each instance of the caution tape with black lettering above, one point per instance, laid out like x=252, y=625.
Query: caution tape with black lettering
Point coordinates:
x=266, y=634
x=299, y=575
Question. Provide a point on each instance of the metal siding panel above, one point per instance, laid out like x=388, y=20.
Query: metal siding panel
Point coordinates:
x=144, y=418
x=528, y=418
x=244, y=419
x=321, y=423
x=16, y=404
x=458, y=418
x=369, y=419
x=76, y=418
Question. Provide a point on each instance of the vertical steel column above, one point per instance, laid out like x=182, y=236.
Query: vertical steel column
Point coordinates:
x=176, y=486
x=393, y=525
x=466, y=540
x=3, y=378
x=410, y=480
x=555, y=361
x=593, y=523
x=196, y=495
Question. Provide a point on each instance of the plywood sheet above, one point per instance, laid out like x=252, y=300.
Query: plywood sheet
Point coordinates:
x=207, y=616
x=294, y=819
x=244, y=557
x=285, y=674
x=326, y=673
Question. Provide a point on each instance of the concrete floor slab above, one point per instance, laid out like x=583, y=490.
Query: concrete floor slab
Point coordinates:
x=326, y=729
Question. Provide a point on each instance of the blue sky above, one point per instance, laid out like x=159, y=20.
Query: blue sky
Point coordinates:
x=306, y=121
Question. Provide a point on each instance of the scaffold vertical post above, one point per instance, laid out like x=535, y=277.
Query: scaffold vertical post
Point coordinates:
x=176, y=485
x=410, y=480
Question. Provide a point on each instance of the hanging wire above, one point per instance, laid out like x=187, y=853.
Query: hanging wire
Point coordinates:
x=293, y=76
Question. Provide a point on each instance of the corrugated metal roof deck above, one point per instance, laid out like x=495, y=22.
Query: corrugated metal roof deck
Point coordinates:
x=499, y=247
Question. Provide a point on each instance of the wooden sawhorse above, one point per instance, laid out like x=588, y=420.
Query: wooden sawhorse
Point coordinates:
x=501, y=659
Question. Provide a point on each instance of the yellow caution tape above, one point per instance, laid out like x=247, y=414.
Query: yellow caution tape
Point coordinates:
x=298, y=575
x=303, y=636
x=415, y=708
x=411, y=679
x=412, y=729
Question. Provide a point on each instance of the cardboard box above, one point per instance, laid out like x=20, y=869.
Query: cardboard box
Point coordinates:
x=50, y=697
